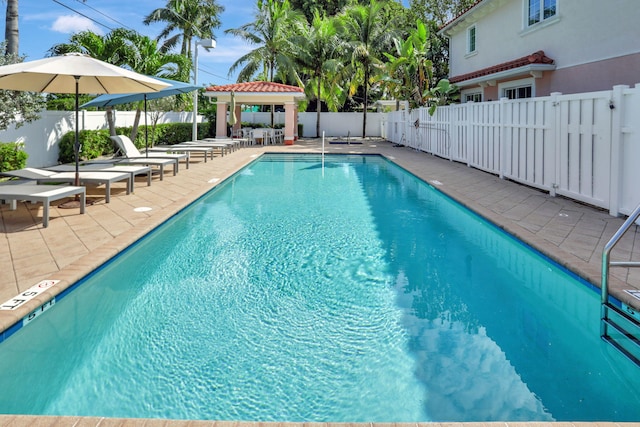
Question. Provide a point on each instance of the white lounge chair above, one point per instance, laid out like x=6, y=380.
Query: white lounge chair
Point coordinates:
x=214, y=147
x=107, y=167
x=44, y=194
x=233, y=143
x=177, y=148
x=131, y=153
x=86, y=177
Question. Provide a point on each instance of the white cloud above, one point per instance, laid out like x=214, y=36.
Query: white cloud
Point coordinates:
x=69, y=24
x=228, y=49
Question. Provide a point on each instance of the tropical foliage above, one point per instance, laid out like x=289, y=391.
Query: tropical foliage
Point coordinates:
x=318, y=57
x=408, y=73
x=346, y=54
x=186, y=19
x=17, y=107
x=367, y=35
x=125, y=48
x=275, y=24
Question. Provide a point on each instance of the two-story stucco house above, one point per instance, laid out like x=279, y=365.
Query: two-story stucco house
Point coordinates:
x=528, y=48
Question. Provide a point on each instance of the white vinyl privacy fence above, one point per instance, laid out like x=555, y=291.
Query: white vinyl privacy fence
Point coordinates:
x=41, y=137
x=582, y=146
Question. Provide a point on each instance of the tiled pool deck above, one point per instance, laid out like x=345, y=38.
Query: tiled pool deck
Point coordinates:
x=73, y=245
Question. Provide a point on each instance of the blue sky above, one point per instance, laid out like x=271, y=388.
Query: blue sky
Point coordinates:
x=44, y=23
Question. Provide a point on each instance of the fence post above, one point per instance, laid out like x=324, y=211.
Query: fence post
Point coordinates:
x=468, y=127
x=555, y=142
x=616, y=105
x=502, y=141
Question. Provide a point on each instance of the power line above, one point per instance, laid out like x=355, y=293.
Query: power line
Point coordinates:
x=211, y=73
x=105, y=15
x=82, y=14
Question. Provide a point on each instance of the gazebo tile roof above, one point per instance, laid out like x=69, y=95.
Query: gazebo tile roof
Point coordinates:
x=268, y=87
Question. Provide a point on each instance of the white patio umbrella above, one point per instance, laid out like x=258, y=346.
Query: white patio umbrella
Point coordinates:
x=74, y=73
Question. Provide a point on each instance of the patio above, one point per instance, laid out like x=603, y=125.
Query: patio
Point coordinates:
x=571, y=233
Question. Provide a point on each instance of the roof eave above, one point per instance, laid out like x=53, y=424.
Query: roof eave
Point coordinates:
x=531, y=69
x=257, y=98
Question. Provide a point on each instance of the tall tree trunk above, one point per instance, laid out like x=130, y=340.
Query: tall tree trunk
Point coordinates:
x=318, y=107
x=366, y=102
x=111, y=121
x=11, y=28
x=136, y=123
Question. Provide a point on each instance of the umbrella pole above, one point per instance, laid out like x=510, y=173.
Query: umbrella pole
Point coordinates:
x=146, y=128
x=76, y=146
x=76, y=151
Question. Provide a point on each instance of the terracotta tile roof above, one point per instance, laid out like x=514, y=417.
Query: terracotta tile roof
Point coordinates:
x=535, y=58
x=255, y=87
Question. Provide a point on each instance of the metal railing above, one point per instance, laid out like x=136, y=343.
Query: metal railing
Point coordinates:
x=606, y=306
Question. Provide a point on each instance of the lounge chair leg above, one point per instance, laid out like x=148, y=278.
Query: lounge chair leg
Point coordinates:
x=83, y=202
x=45, y=214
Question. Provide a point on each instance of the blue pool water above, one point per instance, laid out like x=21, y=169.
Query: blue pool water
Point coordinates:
x=295, y=292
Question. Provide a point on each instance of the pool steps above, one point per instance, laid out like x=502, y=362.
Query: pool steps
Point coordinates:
x=624, y=339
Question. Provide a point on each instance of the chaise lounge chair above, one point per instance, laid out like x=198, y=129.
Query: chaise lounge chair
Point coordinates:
x=176, y=148
x=134, y=156
x=40, y=193
x=86, y=177
x=107, y=167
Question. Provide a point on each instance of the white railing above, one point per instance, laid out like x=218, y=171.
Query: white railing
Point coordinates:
x=582, y=146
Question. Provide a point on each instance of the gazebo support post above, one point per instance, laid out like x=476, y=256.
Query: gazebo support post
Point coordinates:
x=289, y=122
x=221, y=119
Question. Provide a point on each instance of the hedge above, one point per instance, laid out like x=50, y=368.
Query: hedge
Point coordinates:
x=12, y=156
x=96, y=143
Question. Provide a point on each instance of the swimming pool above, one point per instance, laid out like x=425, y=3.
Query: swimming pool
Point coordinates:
x=349, y=292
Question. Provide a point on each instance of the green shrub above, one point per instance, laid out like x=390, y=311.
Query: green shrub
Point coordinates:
x=96, y=143
x=12, y=156
x=93, y=143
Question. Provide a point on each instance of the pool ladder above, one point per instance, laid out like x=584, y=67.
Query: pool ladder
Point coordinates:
x=619, y=323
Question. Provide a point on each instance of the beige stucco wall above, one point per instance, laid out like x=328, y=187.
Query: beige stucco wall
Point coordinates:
x=583, y=32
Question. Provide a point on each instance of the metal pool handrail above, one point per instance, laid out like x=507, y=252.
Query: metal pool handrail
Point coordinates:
x=605, y=321
x=606, y=253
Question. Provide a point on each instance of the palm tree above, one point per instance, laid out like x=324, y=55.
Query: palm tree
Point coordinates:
x=273, y=29
x=367, y=35
x=110, y=48
x=318, y=55
x=185, y=20
x=275, y=24
x=146, y=58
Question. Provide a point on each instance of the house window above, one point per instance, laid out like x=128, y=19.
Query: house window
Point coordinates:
x=518, y=92
x=539, y=10
x=471, y=39
x=473, y=97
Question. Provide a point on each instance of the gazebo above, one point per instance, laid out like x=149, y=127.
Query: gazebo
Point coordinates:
x=257, y=93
